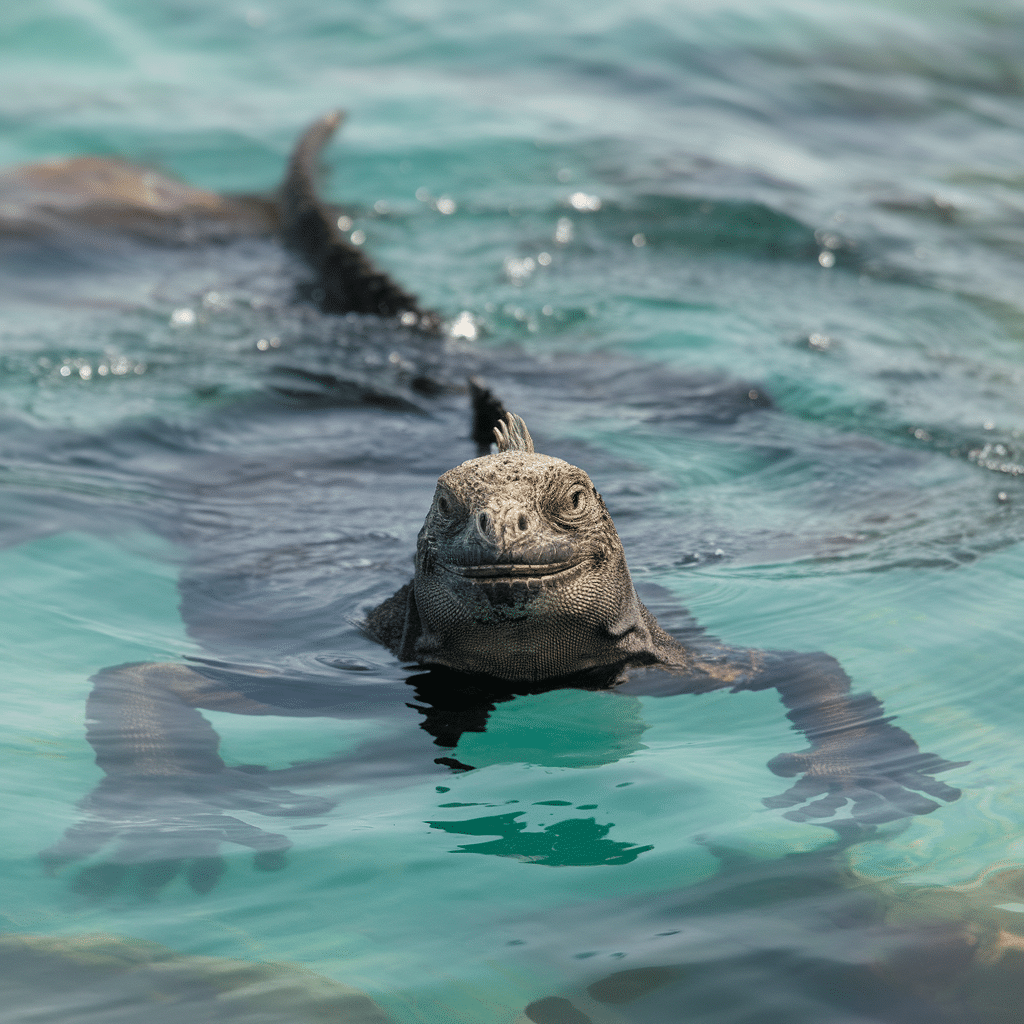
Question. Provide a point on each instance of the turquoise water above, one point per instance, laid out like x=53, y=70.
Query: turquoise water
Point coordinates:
x=823, y=203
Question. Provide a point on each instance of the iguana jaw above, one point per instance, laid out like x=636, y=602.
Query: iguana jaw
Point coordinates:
x=497, y=572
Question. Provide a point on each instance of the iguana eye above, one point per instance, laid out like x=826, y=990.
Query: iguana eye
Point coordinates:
x=574, y=504
x=443, y=505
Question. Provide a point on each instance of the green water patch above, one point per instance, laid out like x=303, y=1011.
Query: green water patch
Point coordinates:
x=576, y=842
x=72, y=605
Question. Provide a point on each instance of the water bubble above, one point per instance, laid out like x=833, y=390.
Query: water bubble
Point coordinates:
x=423, y=194
x=65, y=371
x=446, y=205
x=584, y=203
x=263, y=344
x=544, y=259
x=563, y=231
x=639, y=239
x=381, y=206
x=85, y=372
x=358, y=237
x=183, y=317
x=408, y=318
x=819, y=342
x=827, y=258
x=344, y=223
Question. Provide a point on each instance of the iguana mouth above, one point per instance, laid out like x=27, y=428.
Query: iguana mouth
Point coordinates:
x=513, y=570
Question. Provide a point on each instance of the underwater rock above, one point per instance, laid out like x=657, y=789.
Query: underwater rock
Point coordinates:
x=902, y=955
x=110, y=194
x=60, y=979
x=968, y=948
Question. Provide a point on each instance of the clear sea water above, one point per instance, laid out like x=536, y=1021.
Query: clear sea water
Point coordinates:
x=821, y=201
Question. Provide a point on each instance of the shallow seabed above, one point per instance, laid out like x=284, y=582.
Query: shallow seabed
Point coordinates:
x=823, y=202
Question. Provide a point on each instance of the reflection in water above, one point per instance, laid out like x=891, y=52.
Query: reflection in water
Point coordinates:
x=575, y=842
x=160, y=808
x=492, y=722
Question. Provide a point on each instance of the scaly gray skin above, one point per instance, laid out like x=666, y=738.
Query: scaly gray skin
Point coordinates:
x=521, y=576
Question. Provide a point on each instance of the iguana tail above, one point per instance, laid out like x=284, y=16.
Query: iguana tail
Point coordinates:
x=347, y=282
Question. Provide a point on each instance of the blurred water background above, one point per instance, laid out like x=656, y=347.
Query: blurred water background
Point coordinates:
x=823, y=200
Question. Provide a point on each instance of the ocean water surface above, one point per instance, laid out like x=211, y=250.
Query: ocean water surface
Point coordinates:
x=758, y=269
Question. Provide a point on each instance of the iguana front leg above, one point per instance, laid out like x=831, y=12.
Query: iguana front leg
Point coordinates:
x=856, y=755
x=166, y=790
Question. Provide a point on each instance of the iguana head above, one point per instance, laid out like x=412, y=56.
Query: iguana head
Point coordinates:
x=520, y=573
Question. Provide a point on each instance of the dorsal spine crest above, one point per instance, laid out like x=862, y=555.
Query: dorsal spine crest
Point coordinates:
x=512, y=434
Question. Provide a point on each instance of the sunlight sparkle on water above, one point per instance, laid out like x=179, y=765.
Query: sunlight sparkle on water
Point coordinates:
x=464, y=327
x=519, y=270
x=584, y=203
x=183, y=317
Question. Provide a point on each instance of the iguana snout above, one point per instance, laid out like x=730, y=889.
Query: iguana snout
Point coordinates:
x=502, y=531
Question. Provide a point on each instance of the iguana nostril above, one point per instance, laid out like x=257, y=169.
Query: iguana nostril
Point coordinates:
x=523, y=522
x=483, y=520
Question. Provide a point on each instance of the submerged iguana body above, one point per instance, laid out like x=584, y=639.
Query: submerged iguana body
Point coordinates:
x=521, y=586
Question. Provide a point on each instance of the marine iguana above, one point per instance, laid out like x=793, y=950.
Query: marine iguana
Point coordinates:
x=109, y=195
x=521, y=587
x=521, y=584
